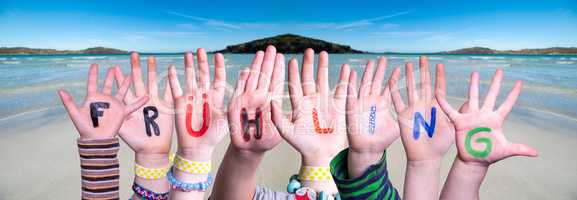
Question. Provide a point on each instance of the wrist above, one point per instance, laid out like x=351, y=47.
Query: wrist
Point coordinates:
x=317, y=161
x=471, y=167
x=196, y=154
x=365, y=158
x=151, y=160
x=424, y=164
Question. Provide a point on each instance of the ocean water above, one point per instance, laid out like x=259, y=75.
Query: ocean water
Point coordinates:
x=29, y=84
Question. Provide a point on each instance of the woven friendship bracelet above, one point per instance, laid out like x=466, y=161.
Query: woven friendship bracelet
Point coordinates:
x=308, y=173
x=190, y=166
x=147, y=194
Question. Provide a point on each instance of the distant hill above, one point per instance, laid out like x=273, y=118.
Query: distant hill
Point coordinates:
x=289, y=43
x=94, y=50
x=546, y=51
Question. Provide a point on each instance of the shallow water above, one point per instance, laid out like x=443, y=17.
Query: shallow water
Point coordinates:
x=28, y=84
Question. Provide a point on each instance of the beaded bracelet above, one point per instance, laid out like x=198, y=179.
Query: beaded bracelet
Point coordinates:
x=187, y=187
x=147, y=194
x=305, y=193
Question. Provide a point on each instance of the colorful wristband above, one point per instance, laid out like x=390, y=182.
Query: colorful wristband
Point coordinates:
x=147, y=194
x=150, y=173
x=308, y=173
x=187, y=187
x=192, y=167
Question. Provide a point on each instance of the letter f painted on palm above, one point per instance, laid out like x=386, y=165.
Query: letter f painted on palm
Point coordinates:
x=418, y=120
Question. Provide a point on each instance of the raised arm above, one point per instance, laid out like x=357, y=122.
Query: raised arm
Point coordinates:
x=479, y=137
x=148, y=131
x=371, y=130
x=426, y=133
x=251, y=128
x=200, y=124
x=97, y=121
x=317, y=128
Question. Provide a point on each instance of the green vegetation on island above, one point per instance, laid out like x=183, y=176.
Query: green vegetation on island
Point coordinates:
x=25, y=50
x=289, y=43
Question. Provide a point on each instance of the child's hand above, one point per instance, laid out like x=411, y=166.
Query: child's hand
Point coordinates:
x=317, y=128
x=101, y=114
x=249, y=113
x=200, y=117
x=149, y=130
x=480, y=136
x=369, y=120
x=426, y=131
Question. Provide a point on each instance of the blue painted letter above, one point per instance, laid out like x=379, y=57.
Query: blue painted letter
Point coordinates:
x=418, y=120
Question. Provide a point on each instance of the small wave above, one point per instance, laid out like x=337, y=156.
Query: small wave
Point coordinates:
x=564, y=62
x=11, y=62
x=357, y=60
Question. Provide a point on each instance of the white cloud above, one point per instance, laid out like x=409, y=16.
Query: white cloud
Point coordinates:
x=208, y=22
x=370, y=21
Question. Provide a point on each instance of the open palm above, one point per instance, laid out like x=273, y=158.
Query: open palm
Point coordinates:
x=318, y=125
x=419, y=144
x=101, y=114
x=200, y=117
x=480, y=135
x=251, y=100
x=369, y=120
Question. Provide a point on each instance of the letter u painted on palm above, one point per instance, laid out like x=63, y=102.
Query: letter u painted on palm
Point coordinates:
x=419, y=120
x=205, y=117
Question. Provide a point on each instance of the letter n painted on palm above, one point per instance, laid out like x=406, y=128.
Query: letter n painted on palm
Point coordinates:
x=419, y=120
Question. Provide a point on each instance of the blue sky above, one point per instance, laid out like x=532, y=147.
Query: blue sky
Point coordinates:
x=402, y=26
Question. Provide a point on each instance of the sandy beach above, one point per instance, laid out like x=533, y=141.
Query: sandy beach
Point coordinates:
x=40, y=159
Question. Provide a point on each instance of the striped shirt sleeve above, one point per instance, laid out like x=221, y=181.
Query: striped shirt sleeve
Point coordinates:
x=99, y=168
x=374, y=184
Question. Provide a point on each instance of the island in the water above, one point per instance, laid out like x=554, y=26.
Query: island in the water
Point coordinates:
x=544, y=51
x=289, y=43
x=94, y=50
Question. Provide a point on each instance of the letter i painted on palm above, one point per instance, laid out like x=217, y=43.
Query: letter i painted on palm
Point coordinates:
x=205, y=117
x=372, y=119
x=419, y=120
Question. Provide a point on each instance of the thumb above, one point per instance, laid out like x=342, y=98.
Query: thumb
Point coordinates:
x=516, y=149
x=136, y=105
x=282, y=123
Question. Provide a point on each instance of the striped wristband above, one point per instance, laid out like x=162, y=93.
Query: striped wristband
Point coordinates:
x=99, y=168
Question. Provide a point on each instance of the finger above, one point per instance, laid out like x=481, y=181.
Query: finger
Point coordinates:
x=352, y=89
x=447, y=108
x=397, y=99
x=474, y=91
x=174, y=83
x=189, y=73
x=241, y=82
x=119, y=77
x=282, y=123
x=136, y=105
x=92, y=84
x=323, y=74
x=266, y=68
x=493, y=92
x=377, y=84
x=252, y=81
x=507, y=106
x=219, y=73
x=108, y=81
x=152, y=85
x=204, y=71
x=167, y=92
x=367, y=79
x=307, y=73
x=516, y=149
x=440, y=79
x=295, y=87
x=123, y=89
x=276, y=86
x=69, y=104
x=137, y=74
x=344, y=75
x=425, y=77
x=412, y=96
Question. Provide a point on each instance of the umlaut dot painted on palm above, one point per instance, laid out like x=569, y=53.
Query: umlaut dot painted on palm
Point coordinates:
x=420, y=120
x=487, y=141
x=372, y=119
x=205, y=117
x=317, y=124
